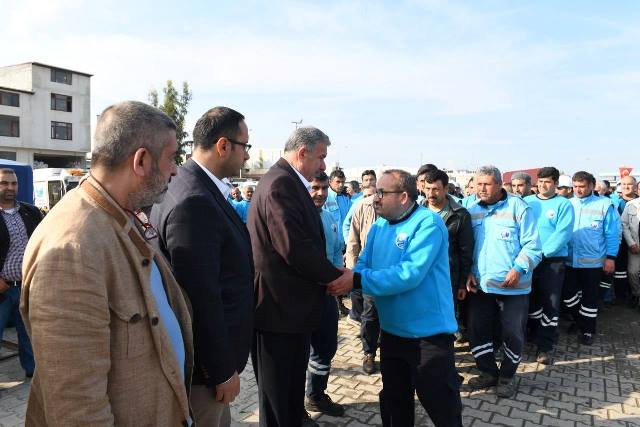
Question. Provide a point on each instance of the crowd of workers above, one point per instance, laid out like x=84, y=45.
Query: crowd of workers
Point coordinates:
x=146, y=289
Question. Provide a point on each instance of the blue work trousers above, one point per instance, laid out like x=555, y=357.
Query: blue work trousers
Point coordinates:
x=324, y=344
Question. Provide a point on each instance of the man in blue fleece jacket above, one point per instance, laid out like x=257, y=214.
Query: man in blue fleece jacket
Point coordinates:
x=554, y=217
x=404, y=265
x=507, y=249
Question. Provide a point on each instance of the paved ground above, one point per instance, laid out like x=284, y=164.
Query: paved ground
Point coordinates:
x=587, y=386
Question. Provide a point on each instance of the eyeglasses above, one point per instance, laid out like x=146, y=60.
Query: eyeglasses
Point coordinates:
x=380, y=193
x=145, y=227
x=246, y=146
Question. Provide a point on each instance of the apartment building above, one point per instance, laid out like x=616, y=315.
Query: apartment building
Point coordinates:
x=44, y=115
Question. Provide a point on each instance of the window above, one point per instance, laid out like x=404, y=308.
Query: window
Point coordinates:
x=60, y=102
x=60, y=130
x=8, y=155
x=9, y=98
x=10, y=126
x=61, y=76
x=55, y=192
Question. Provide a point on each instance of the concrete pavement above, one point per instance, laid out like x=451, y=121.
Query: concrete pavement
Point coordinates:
x=596, y=385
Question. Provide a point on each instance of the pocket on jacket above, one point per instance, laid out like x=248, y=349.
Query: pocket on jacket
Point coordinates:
x=130, y=331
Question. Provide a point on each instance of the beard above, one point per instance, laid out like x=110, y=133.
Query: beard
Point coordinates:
x=153, y=190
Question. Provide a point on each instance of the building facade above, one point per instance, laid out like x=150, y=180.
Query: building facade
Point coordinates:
x=44, y=115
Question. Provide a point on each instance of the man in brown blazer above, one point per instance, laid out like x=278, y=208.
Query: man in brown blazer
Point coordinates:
x=110, y=328
x=291, y=273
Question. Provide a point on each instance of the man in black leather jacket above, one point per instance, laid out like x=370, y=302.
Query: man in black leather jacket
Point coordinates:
x=458, y=222
x=17, y=222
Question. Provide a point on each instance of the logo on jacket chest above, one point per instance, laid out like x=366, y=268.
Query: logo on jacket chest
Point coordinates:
x=401, y=240
x=550, y=214
x=505, y=234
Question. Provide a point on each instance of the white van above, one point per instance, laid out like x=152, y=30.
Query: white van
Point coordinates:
x=51, y=184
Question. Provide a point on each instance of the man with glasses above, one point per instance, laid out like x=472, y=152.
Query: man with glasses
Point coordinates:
x=209, y=249
x=110, y=327
x=405, y=267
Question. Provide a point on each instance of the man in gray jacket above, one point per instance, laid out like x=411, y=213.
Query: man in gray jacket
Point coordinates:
x=630, y=230
x=364, y=215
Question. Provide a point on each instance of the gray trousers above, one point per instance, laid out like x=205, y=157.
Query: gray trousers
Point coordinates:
x=633, y=273
x=207, y=411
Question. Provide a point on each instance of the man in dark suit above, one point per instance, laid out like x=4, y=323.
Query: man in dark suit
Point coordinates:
x=210, y=253
x=291, y=273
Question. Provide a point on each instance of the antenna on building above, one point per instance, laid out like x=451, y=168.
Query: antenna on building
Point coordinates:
x=297, y=123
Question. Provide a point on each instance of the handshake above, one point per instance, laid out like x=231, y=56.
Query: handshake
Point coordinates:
x=342, y=285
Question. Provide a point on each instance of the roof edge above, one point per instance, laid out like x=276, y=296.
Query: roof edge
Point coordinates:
x=41, y=64
x=30, y=92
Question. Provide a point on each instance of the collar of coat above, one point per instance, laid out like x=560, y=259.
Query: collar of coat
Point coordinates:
x=94, y=191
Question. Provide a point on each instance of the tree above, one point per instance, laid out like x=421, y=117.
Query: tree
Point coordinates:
x=174, y=105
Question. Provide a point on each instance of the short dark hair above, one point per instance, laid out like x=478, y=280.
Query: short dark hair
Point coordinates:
x=336, y=173
x=549, y=172
x=584, y=176
x=606, y=182
x=426, y=168
x=406, y=182
x=320, y=176
x=368, y=172
x=434, y=175
x=216, y=123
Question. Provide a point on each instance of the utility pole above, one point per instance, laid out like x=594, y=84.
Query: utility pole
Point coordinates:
x=297, y=123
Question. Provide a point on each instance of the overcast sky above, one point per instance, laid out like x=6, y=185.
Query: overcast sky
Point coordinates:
x=458, y=84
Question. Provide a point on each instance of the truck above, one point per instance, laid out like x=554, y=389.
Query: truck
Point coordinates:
x=51, y=184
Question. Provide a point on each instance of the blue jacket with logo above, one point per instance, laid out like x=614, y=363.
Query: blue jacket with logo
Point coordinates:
x=596, y=232
x=405, y=266
x=554, y=218
x=332, y=239
x=506, y=237
x=337, y=205
x=242, y=209
x=468, y=201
